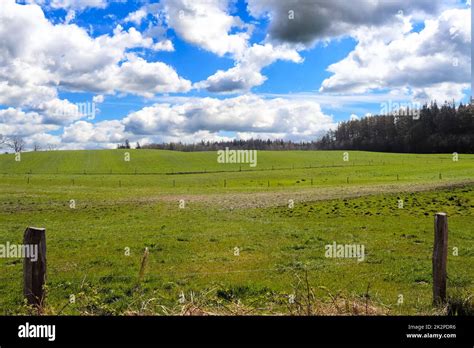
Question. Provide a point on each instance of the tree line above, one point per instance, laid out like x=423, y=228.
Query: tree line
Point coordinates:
x=437, y=129
x=250, y=144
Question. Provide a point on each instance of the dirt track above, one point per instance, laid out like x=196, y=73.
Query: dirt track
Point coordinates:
x=276, y=198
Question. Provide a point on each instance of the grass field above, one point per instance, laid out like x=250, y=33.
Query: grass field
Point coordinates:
x=236, y=247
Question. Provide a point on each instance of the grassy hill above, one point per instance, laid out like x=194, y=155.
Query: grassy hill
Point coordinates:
x=162, y=161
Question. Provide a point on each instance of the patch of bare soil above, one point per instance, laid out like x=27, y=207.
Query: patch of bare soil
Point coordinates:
x=243, y=200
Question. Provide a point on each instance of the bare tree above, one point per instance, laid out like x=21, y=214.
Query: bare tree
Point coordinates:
x=15, y=143
x=36, y=147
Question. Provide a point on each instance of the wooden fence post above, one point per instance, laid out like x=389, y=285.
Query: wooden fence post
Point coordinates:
x=440, y=255
x=34, y=271
x=143, y=265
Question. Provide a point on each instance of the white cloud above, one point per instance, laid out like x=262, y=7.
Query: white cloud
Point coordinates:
x=37, y=57
x=247, y=71
x=289, y=119
x=58, y=112
x=137, y=16
x=164, y=45
x=45, y=116
x=105, y=132
x=434, y=63
x=144, y=78
x=17, y=122
x=207, y=24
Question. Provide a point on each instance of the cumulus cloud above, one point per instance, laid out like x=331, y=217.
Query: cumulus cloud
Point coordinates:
x=40, y=57
x=304, y=22
x=433, y=63
x=20, y=123
x=289, y=119
x=58, y=112
x=247, y=71
x=43, y=117
x=207, y=24
x=105, y=132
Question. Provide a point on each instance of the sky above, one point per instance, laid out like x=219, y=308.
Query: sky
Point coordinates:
x=87, y=74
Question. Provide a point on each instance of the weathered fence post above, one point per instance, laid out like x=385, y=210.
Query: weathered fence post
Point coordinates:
x=34, y=271
x=143, y=265
x=440, y=255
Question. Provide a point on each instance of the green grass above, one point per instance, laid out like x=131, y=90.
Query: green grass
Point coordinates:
x=192, y=249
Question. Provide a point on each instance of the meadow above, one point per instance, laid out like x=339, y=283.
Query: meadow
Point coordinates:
x=232, y=239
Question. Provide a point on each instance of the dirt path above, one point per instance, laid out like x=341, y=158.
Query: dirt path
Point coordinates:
x=275, y=198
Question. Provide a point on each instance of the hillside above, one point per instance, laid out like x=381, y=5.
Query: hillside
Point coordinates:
x=163, y=161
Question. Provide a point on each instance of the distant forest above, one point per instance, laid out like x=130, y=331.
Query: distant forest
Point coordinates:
x=437, y=129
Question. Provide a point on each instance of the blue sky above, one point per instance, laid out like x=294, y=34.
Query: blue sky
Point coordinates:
x=181, y=70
